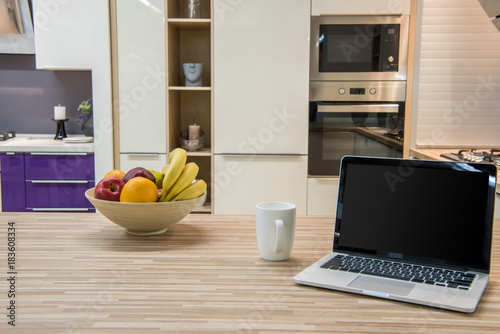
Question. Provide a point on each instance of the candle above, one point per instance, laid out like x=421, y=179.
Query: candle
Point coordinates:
x=59, y=112
x=194, y=132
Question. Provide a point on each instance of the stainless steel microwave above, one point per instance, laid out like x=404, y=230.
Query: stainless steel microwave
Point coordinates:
x=360, y=47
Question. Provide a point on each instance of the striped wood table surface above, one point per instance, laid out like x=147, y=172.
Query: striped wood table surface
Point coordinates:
x=80, y=273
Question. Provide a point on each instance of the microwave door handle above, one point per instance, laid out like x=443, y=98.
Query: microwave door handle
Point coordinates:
x=358, y=108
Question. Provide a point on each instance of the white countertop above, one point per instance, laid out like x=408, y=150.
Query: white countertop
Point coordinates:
x=45, y=143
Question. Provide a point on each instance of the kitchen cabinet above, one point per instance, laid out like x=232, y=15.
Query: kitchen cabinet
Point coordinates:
x=322, y=194
x=62, y=35
x=241, y=182
x=44, y=181
x=189, y=41
x=261, y=99
x=262, y=77
x=155, y=104
x=141, y=84
x=13, y=189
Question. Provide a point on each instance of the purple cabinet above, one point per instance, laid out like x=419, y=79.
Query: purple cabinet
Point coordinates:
x=65, y=166
x=47, y=195
x=13, y=190
x=50, y=181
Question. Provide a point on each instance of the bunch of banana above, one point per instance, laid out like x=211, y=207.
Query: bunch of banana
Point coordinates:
x=178, y=178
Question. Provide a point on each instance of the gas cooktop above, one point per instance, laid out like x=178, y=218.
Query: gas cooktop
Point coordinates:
x=475, y=155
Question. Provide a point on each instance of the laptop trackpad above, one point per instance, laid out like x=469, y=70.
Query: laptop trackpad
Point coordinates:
x=390, y=287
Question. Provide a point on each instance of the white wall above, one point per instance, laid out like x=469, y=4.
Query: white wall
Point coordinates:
x=458, y=78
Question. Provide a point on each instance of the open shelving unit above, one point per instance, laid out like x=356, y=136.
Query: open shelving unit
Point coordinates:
x=190, y=40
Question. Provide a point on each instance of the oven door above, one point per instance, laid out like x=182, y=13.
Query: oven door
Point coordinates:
x=361, y=47
x=339, y=129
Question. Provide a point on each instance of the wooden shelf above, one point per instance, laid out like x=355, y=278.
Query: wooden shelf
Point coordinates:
x=190, y=23
x=176, y=10
x=204, y=152
x=185, y=88
x=189, y=40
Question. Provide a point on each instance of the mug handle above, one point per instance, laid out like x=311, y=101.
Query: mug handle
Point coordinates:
x=279, y=236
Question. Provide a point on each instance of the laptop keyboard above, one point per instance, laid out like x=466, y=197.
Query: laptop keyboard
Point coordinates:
x=401, y=271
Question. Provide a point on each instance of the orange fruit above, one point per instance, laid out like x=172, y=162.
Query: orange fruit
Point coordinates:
x=139, y=190
x=115, y=173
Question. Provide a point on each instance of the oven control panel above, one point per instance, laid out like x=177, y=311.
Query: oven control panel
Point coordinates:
x=357, y=91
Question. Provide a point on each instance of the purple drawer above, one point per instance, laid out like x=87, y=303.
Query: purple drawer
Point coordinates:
x=64, y=166
x=42, y=195
x=13, y=192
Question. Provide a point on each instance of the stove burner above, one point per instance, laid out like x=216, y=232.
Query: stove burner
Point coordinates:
x=475, y=155
x=4, y=135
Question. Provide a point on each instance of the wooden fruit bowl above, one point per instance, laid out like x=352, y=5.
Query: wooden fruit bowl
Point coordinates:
x=143, y=218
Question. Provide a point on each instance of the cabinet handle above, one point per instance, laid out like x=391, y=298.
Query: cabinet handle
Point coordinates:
x=357, y=108
x=60, y=209
x=142, y=154
x=59, y=153
x=261, y=155
x=58, y=181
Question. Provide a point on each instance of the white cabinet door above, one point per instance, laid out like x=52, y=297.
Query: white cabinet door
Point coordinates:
x=242, y=182
x=62, y=35
x=322, y=196
x=141, y=76
x=261, y=76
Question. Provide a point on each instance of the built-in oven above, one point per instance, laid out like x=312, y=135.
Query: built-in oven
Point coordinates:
x=359, y=47
x=354, y=118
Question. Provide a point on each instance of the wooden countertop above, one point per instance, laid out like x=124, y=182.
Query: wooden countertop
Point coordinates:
x=432, y=153
x=80, y=273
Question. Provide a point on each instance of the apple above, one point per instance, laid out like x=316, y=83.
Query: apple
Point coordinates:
x=109, y=189
x=139, y=171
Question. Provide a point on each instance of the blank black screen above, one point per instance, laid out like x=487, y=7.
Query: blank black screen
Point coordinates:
x=432, y=211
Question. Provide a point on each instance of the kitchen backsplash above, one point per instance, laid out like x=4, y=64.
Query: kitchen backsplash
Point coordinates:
x=28, y=95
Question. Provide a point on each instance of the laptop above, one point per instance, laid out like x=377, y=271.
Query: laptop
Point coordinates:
x=411, y=230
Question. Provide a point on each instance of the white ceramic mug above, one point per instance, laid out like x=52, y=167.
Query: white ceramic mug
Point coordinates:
x=275, y=222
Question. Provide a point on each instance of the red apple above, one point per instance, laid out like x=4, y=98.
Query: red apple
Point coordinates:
x=139, y=171
x=109, y=189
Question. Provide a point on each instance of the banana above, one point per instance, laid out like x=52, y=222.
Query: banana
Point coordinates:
x=194, y=190
x=187, y=176
x=172, y=170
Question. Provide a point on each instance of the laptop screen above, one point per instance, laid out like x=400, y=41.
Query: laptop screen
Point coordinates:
x=427, y=211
